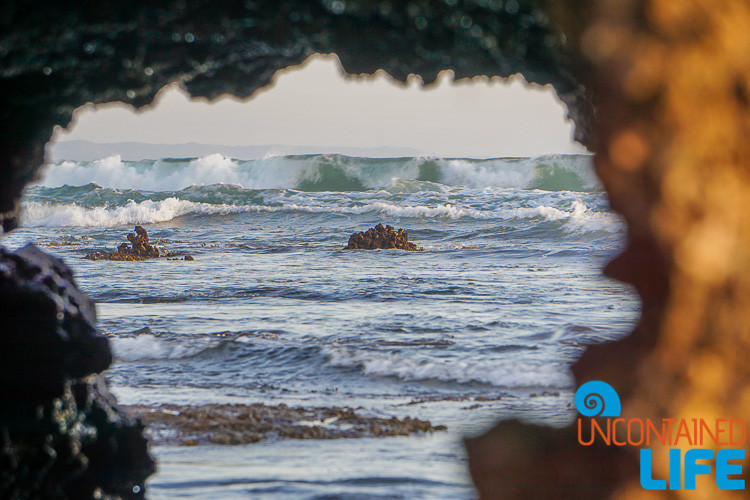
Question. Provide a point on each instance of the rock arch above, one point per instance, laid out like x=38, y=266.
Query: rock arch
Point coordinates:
x=658, y=89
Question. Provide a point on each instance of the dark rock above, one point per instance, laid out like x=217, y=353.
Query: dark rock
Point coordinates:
x=58, y=342
x=189, y=257
x=61, y=432
x=140, y=250
x=380, y=237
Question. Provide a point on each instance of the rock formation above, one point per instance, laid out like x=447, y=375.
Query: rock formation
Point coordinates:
x=671, y=82
x=672, y=87
x=61, y=432
x=243, y=424
x=380, y=237
x=140, y=249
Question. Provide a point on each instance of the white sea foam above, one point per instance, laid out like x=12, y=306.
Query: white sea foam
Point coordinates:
x=414, y=367
x=325, y=172
x=109, y=171
x=149, y=347
x=451, y=246
x=582, y=219
x=41, y=214
x=38, y=214
x=540, y=211
x=147, y=175
x=579, y=218
x=446, y=210
x=496, y=173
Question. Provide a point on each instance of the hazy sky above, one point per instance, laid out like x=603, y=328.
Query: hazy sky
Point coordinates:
x=315, y=105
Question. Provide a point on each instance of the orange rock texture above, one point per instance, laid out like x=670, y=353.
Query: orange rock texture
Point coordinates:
x=671, y=81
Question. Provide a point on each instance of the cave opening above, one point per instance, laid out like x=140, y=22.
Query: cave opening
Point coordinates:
x=273, y=311
x=670, y=139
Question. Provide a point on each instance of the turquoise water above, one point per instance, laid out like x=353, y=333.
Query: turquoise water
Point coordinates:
x=504, y=297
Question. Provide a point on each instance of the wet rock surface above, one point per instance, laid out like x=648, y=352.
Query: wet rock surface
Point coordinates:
x=243, y=424
x=139, y=249
x=381, y=237
x=61, y=432
x=47, y=326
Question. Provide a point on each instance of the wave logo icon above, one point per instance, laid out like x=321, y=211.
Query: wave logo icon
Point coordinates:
x=597, y=399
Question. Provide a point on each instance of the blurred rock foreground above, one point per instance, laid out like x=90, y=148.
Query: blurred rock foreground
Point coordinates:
x=670, y=81
x=61, y=432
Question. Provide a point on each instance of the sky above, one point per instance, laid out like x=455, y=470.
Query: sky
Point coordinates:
x=314, y=104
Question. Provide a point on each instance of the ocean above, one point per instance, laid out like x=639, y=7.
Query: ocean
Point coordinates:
x=481, y=325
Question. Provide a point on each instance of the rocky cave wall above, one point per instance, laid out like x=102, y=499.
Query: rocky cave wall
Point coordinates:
x=671, y=84
x=55, y=58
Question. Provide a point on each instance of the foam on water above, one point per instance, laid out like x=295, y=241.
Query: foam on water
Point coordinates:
x=583, y=219
x=327, y=172
x=36, y=214
x=418, y=367
x=149, y=347
x=111, y=192
x=579, y=218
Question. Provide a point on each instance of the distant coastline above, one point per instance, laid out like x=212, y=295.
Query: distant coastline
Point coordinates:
x=79, y=150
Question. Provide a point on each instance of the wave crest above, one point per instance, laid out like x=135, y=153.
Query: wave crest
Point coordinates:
x=328, y=173
x=580, y=218
x=414, y=367
x=38, y=214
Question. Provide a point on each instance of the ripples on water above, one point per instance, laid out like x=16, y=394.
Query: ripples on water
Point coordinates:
x=481, y=325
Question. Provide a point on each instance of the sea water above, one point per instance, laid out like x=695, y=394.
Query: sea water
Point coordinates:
x=481, y=325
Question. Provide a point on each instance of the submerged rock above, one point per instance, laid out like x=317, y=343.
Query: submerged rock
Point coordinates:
x=140, y=249
x=62, y=434
x=381, y=237
x=243, y=424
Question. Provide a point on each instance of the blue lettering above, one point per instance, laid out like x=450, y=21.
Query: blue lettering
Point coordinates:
x=724, y=469
x=675, y=469
x=692, y=468
x=647, y=481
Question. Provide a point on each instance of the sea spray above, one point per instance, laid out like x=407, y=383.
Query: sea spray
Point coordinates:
x=113, y=193
x=328, y=172
x=577, y=217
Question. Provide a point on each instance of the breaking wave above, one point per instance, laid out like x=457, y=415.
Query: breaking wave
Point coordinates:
x=416, y=367
x=328, y=173
x=576, y=218
x=111, y=193
x=401, y=364
x=36, y=214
